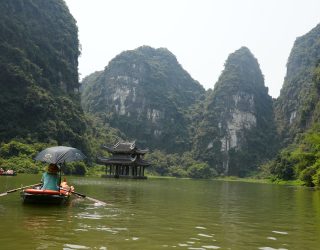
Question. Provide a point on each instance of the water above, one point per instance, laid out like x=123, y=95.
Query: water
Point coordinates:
x=163, y=214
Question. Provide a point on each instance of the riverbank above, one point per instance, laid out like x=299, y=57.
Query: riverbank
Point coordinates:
x=259, y=180
x=97, y=171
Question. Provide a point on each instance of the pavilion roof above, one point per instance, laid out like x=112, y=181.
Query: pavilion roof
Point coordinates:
x=123, y=160
x=125, y=147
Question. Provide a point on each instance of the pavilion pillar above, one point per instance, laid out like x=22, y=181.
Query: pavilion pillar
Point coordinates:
x=140, y=170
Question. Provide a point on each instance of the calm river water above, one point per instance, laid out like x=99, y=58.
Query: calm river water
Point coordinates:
x=163, y=214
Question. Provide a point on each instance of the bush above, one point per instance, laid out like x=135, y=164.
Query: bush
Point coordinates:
x=177, y=171
x=20, y=165
x=316, y=178
x=76, y=168
x=282, y=167
x=201, y=170
x=307, y=176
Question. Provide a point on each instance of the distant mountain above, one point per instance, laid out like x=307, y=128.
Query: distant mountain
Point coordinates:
x=236, y=131
x=299, y=95
x=39, y=51
x=145, y=93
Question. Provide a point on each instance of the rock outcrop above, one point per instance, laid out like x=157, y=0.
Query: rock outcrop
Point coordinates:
x=39, y=84
x=237, y=130
x=299, y=95
x=145, y=93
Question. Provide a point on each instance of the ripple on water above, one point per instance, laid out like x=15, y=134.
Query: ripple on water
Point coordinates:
x=94, y=216
x=271, y=248
x=279, y=232
x=183, y=245
x=112, y=230
x=205, y=235
x=72, y=246
x=194, y=238
x=271, y=238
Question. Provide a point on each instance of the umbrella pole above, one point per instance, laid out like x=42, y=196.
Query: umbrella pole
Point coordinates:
x=60, y=175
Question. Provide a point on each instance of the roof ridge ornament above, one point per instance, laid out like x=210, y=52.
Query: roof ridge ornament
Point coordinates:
x=116, y=145
x=133, y=145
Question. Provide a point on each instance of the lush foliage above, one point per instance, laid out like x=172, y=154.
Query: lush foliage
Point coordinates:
x=298, y=114
x=178, y=165
x=19, y=156
x=146, y=95
x=295, y=107
x=299, y=161
x=39, y=51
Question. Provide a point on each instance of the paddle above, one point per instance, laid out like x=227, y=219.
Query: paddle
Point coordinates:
x=17, y=189
x=84, y=196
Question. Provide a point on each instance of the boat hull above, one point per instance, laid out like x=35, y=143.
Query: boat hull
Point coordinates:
x=5, y=174
x=35, y=196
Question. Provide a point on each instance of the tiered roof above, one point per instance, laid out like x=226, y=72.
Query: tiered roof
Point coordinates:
x=125, y=148
x=124, y=153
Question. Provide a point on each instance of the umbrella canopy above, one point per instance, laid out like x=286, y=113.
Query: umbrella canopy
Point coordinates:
x=60, y=154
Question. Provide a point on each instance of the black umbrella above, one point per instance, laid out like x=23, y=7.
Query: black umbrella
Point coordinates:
x=60, y=154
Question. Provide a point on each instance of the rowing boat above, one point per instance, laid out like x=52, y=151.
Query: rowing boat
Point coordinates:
x=8, y=174
x=39, y=196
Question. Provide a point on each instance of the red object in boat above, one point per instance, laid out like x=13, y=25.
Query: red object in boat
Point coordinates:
x=39, y=196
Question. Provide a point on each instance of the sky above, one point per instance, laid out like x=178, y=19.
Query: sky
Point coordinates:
x=200, y=33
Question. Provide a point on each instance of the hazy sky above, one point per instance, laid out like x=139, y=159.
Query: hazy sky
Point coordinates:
x=200, y=33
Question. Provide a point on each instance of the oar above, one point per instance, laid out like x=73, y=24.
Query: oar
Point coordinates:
x=17, y=189
x=85, y=196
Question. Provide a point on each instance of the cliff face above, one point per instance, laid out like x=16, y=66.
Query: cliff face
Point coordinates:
x=144, y=93
x=39, y=72
x=299, y=94
x=237, y=130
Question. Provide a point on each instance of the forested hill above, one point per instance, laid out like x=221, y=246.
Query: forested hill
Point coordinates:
x=39, y=51
x=299, y=94
x=237, y=131
x=298, y=114
x=145, y=93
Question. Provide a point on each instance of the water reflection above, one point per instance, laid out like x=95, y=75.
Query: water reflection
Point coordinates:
x=158, y=214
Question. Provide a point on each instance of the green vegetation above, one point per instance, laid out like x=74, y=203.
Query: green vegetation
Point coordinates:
x=297, y=114
x=146, y=95
x=39, y=97
x=39, y=49
x=300, y=161
x=19, y=156
x=178, y=165
x=295, y=107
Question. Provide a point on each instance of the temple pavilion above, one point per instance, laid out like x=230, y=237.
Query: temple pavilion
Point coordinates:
x=125, y=161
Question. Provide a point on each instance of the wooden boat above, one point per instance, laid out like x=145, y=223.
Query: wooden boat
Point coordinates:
x=39, y=196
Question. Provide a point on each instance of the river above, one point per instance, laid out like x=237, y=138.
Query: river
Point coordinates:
x=163, y=214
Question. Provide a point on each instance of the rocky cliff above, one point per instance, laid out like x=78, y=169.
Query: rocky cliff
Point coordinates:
x=145, y=93
x=236, y=131
x=39, y=84
x=299, y=94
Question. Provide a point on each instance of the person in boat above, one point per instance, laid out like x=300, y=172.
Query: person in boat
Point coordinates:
x=50, y=179
x=9, y=171
x=64, y=185
x=1, y=171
